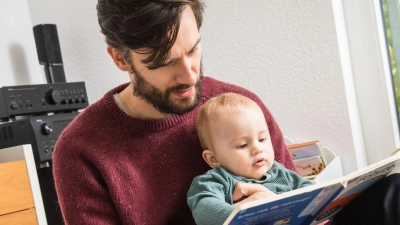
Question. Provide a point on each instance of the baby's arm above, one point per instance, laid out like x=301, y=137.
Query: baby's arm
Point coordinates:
x=207, y=199
x=251, y=192
x=295, y=180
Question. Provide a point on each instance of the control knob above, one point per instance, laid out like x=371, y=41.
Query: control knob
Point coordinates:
x=46, y=129
x=53, y=97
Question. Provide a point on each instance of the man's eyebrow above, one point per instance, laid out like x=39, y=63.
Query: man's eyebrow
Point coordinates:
x=191, y=50
x=195, y=45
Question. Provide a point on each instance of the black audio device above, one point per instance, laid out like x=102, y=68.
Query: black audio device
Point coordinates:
x=41, y=99
x=40, y=131
x=37, y=114
x=49, y=52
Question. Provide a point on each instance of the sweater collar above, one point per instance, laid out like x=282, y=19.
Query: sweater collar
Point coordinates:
x=117, y=114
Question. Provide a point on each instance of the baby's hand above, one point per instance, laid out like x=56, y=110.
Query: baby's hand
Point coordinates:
x=253, y=192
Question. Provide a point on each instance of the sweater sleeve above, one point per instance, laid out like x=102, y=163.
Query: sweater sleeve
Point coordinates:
x=207, y=199
x=295, y=180
x=82, y=194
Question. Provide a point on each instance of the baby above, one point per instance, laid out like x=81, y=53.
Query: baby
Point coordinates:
x=237, y=145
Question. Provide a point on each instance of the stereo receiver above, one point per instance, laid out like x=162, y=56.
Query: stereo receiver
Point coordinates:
x=39, y=99
x=41, y=132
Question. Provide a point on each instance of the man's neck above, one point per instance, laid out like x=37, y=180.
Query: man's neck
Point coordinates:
x=138, y=107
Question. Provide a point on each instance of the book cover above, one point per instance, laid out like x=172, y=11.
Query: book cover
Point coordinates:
x=315, y=204
x=308, y=158
x=304, y=150
x=311, y=166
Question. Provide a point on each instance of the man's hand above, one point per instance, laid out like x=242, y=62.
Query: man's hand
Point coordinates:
x=253, y=192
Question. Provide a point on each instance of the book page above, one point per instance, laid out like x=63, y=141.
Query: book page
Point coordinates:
x=358, y=182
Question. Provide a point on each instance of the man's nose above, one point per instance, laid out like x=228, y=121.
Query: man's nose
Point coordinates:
x=187, y=72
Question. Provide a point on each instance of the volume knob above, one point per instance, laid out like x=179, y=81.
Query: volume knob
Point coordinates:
x=46, y=129
x=53, y=97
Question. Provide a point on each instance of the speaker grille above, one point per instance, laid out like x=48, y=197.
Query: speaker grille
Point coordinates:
x=6, y=134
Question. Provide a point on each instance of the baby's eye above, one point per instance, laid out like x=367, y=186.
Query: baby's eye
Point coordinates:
x=262, y=139
x=242, y=146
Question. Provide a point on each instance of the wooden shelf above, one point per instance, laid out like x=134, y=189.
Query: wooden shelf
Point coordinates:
x=16, y=201
x=27, y=217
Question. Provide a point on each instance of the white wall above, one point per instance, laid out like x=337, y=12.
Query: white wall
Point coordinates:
x=285, y=51
x=82, y=45
x=18, y=58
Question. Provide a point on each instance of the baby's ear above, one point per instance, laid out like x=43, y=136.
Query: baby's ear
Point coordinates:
x=210, y=158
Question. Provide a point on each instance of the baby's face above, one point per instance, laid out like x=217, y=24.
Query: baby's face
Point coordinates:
x=242, y=144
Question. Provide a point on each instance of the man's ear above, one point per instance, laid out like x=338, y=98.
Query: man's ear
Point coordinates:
x=118, y=58
x=210, y=158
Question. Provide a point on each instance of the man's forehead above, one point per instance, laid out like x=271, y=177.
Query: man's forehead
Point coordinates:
x=187, y=39
x=175, y=50
x=184, y=47
x=188, y=35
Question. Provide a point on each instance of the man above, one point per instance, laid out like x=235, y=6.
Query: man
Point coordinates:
x=130, y=157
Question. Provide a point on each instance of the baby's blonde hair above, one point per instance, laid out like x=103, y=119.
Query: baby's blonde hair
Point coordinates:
x=213, y=109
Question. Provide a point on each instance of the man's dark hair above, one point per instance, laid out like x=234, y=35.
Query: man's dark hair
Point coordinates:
x=144, y=26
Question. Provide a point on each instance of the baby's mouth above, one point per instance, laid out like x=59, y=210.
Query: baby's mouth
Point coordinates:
x=259, y=162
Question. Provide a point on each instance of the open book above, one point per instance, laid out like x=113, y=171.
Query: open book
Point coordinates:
x=314, y=204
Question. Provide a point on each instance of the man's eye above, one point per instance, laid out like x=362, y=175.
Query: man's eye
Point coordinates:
x=193, y=50
x=242, y=146
x=167, y=64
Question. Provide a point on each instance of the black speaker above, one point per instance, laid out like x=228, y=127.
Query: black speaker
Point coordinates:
x=49, y=52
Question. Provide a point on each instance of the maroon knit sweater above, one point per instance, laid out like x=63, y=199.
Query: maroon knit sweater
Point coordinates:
x=110, y=168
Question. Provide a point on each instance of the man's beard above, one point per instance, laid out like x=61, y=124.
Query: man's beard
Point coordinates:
x=160, y=100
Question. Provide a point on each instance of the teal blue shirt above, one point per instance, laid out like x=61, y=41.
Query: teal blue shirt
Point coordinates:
x=210, y=194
